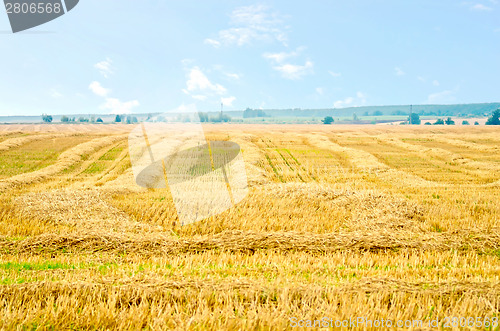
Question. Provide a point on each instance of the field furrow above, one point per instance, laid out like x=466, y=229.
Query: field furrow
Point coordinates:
x=339, y=221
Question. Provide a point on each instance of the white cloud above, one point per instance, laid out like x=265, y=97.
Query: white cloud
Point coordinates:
x=343, y=103
x=281, y=57
x=288, y=70
x=359, y=100
x=97, y=88
x=334, y=74
x=227, y=74
x=399, y=72
x=199, y=97
x=55, y=94
x=361, y=97
x=228, y=101
x=187, y=62
x=442, y=97
x=212, y=42
x=251, y=23
x=115, y=106
x=232, y=76
x=104, y=67
x=481, y=7
x=435, y=83
x=293, y=71
x=199, y=85
x=277, y=57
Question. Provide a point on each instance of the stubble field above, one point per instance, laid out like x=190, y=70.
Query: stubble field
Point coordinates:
x=341, y=222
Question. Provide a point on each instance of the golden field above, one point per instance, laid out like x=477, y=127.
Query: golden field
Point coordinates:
x=380, y=222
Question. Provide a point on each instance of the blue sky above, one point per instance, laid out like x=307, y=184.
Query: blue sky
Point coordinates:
x=126, y=56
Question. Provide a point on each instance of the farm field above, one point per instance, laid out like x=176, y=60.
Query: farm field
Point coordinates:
x=379, y=222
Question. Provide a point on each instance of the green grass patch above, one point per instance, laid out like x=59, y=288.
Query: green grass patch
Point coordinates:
x=35, y=155
x=95, y=167
x=25, y=266
x=112, y=154
x=274, y=168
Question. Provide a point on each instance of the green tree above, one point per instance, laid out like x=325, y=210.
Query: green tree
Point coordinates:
x=495, y=118
x=131, y=119
x=465, y=122
x=203, y=117
x=328, y=120
x=439, y=121
x=118, y=119
x=476, y=123
x=414, y=118
x=47, y=118
x=449, y=121
x=428, y=123
x=99, y=120
x=64, y=119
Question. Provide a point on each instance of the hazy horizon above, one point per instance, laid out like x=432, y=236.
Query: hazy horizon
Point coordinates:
x=139, y=57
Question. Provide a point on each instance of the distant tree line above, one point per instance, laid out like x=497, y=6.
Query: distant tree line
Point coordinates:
x=126, y=119
x=66, y=119
x=375, y=113
x=219, y=118
x=252, y=113
x=81, y=119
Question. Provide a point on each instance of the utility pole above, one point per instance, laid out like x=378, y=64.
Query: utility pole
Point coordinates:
x=411, y=111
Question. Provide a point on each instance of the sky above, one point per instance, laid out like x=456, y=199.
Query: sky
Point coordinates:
x=130, y=56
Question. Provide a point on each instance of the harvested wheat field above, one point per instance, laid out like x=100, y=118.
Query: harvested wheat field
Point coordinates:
x=340, y=222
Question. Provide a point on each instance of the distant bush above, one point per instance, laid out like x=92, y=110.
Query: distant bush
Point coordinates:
x=220, y=118
x=83, y=120
x=428, y=123
x=47, y=118
x=414, y=118
x=449, y=121
x=99, y=120
x=439, y=121
x=495, y=118
x=476, y=123
x=328, y=120
x=131, y=119
x=118, y=119
x=465, y=123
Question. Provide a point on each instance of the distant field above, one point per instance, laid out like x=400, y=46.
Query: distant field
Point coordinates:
x=381, y=222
